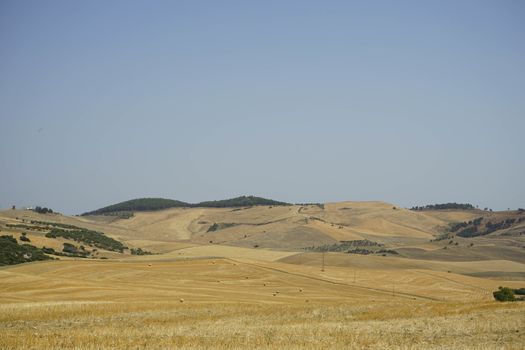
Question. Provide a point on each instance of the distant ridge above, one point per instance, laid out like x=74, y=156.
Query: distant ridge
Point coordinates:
x=152, y=204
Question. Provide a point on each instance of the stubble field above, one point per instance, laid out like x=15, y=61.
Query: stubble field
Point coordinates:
x=198, y=303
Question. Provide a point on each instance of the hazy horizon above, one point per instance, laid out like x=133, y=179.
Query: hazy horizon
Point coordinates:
x=410, y=103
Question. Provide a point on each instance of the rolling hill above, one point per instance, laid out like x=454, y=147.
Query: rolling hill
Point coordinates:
x=311, y=274
x=153, y=204
x=430, y=234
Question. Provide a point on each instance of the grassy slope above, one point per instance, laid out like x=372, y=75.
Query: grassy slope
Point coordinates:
x=295, y=227
x=286, y=226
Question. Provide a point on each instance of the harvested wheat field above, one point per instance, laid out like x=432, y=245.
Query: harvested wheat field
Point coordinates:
x=236, y=303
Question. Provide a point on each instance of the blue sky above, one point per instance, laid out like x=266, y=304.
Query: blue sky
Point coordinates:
x=411, y=102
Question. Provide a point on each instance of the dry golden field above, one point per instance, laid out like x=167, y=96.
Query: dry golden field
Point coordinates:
x=229, y=295
x=169, y=324
x=150, y=303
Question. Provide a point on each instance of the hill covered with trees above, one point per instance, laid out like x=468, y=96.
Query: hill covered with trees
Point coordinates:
x=151, y=204
x=242, y=201
x=140, y=204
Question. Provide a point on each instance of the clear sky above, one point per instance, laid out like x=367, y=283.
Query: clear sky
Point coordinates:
x=410, y=102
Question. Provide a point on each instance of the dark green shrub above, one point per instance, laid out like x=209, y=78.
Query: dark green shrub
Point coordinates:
x=13, y=253
x=504, y=294
x=471, y=231
x=519, y=291
x=220, y=226
x=70, y=248
x=93, y=238
x=140, y=251
x=48, y=250
x=43, y=210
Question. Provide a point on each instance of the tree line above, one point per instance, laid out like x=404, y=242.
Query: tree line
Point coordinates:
x=443, y=206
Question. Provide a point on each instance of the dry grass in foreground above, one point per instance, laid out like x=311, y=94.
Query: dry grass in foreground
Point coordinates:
x=201, y=303
x=162, y=325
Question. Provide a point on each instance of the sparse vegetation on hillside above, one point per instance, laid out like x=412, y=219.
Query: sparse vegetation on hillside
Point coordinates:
x=344, y=245
x=320, y=205
x=140, y=251
x=443, y=237
x=457, y=226
x=220, y=226
x=92, y=238
x=475, y=228
x=27, y=227
x=121, y=214
x=12, y=253
x=458, y=206
x=360, y=246
x=369, y=251
x=78, y=234
x=53, y=224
